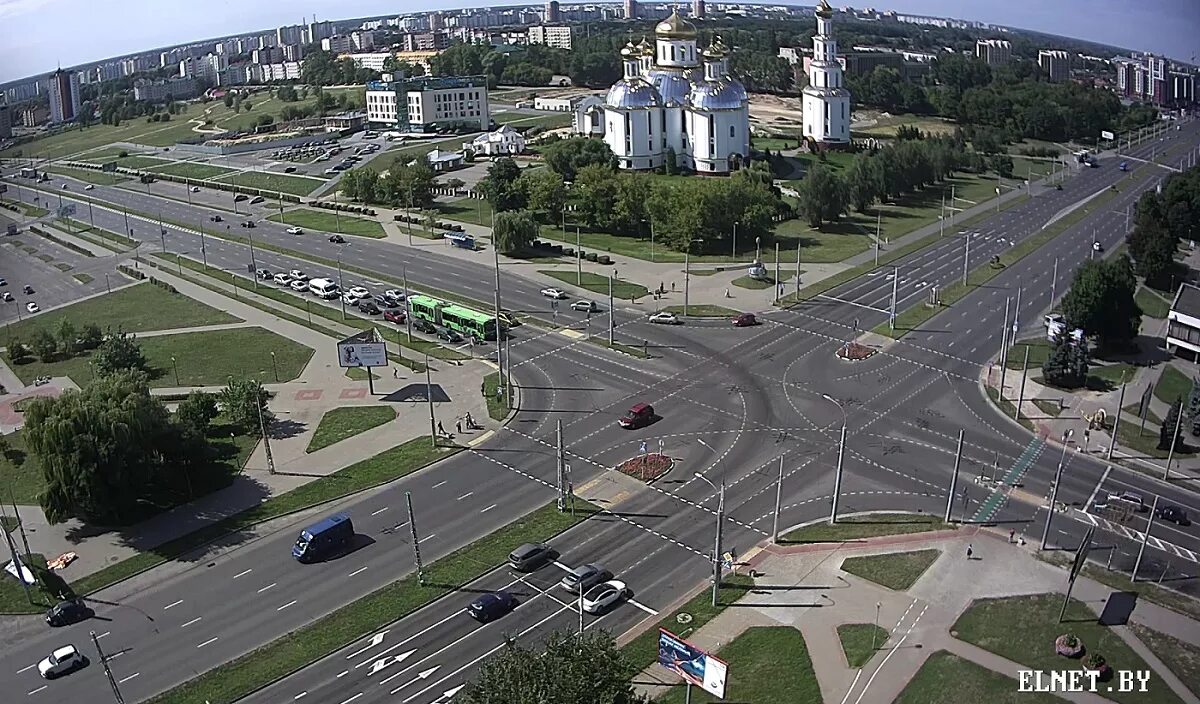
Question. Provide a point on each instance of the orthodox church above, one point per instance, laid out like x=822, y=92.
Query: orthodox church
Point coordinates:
x=825, y=101
x=673, y=97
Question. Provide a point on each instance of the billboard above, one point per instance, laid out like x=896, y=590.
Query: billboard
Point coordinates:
x=691, y=663
x=1105, y=134
x=366, y=349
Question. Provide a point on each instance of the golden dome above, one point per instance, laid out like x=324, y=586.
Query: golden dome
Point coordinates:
x=675, y=27
x=629, y=50
x=715, y=50
x=645, y=47
x=823, y=9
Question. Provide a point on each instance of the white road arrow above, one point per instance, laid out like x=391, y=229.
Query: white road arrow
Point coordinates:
x=449, y=693
x=385, y=662
x=424, y=674
x=375, y=640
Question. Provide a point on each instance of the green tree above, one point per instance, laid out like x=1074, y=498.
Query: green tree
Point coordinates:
x=863, y=182
x=1166, y=433
x=242, y=400
x=409, y=184
x=565, y=669
x=68, y=338
x=596, y=191
x=1101, y=302
x=91, y=337
x=545, y=192
x=119, y=352
x=567, y=156
x=1003, y=165
x=500, y=186
x=514, y=231
x=44, y=346
x=197, y=410
x=17, y=350
x=1153, y=250
x=1193, y=406
x=1061, y=368
x=822, y=196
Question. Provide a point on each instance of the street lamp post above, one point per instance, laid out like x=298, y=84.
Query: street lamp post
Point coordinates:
x=1054, y=489
x=716, y=586
x=341, y=291
x=175, y=364
x=837, y=477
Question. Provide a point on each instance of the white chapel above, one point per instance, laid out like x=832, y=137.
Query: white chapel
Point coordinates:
x=826, y=102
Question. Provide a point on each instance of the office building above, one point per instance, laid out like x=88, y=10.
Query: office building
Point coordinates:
x=417, y=104
x=5, y=121
x=557, y=37
x=64, y=96
x=825, y=101
x=1055, y=65
x=698, y=9
x=993, y=52
x=551, y=13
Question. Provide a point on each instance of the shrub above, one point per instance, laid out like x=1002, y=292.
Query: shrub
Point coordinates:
x=1095, y=661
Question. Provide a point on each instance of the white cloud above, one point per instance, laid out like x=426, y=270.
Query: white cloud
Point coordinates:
x=16, y=8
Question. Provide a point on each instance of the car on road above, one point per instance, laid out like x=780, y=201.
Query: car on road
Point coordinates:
x=530, y=556
x=368, y=306
x=585, y=305
x=295, y=231
x=32, y=307
x=249, y=224
x=383, y=301
x=449, y=336
x=508, y=319
x=195, y=189
x=337, y=239
x=3, y=281
x=64, y=186
x=555, y=293
x=350, y=299
x=395, y=296
x=264, y=274
x=240, y=197
x=1053, y=319
x=422, y=325
x=256, y=200
x=358, y=292
x=584, y=577
x=394, y=316
x=89, y=187
x=639, y=415
x=745, y=320
x=64, y=613
x=1096, y=246
x=290, y=170
x=7, y=297
x=1173, y=514
x=664, y=318
x=28, y=290
x=299, y=285
x=604, y=596
x=491, y=606
x=215, y=218
x=282, y=279
x=1128, y=499
x=63, y=661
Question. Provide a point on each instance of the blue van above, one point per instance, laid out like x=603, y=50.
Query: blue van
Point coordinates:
x=330, y=536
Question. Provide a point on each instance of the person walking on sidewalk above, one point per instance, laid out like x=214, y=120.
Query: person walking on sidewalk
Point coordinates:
x=458, y=427
x=441, y=430
x=970, y=551
x=1012, y=532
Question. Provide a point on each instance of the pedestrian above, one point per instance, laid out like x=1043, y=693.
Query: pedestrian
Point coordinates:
x=672, y=287
x=470, y=420
x=395, y=373
x=727, y=293
x=442, y=431
x=970, y=551
x=663, y=290
x=1012, y=532
x=458, y=427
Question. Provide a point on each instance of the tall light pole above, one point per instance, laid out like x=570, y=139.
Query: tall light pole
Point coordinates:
x=341, y=289
x=837, y=477
x=496, y=258
x=778, y=503
x=717, y=546
x=1054, y=489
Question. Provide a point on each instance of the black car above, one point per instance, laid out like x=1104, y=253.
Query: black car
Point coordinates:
x=383, y=301
x=248, y=223
x=1174, y=514
x=337, y=239
x=491, y=606
x=264, y=274
x=368, y=306
x=215, y=218
x=28, y=290
x=240, y=197
x=65, y=613
x=422, y=325
x=449, y=336
x=256, y=200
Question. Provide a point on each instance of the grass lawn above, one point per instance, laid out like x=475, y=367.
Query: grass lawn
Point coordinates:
x=897, y=570
x=188, y=169
x=21, y=473
x=868, y=526
x=97, y=177
x=12, y=594
x=767, y=665
x=136, y=308
x=885, y=125
x=857, y=641
x=240, y=677
x=1145, y=443
x=1039, y=350
x=1152, y=304
x=1172, y=384
x=773, y=143
x=1030, y=168
x=1183, y=658
x=754, y=284
x=705, y=310
x=520, y=120
x=472, y=210
x=643, y=650
x=497, y=405
x=1110, y=376
x=202, y=359
x=341, y=423
x=326, y=221
x=622, y=290
x=83, y=278
x=296, y=185
x=1151, y=417
x=835, y=242
x=28, y=209
x=1023, y=630
x=945, y=678
x=76, y=140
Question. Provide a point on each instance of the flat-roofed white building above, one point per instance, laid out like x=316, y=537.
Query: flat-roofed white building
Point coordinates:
x=1183, y=322
x=503, y=141
x=414, y=104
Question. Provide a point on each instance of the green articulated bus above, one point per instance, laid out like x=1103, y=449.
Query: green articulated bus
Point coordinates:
x=426, y=308
x=458, y=318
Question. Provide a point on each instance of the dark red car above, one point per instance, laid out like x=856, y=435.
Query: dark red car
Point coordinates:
x=745, y=320
x=394, y=316
x=640, y=415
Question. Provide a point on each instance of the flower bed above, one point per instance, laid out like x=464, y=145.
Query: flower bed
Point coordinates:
x=1096, y=663
x=854, y=352
x=1068, y=645
x=647, y=467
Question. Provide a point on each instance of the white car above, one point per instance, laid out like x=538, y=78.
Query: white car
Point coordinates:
x=554, y=293
x=602, y=596
x=282, y=279
x=32, y=307
x=588, y=306
x=297, y=274
x=358, y=292
x=394, y=294
x=350, y=299
x=62, y=661
x=89, y=187
x=195, y=189
x=1097, y=246
x=664, y=318
x=295, y=231
x=299, y=285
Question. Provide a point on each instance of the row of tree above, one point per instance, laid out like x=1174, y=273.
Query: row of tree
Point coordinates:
x=1161, y=222
x=407, y=184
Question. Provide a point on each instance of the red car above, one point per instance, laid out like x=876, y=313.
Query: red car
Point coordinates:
x=394, y=316
x=745, y=320
x=640, y=415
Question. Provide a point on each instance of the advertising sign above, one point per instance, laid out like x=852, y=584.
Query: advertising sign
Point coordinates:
x=691, y=663
x=1105, y=134
x=365, y=349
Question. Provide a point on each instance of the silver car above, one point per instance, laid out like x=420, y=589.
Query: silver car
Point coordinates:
x=584, y=577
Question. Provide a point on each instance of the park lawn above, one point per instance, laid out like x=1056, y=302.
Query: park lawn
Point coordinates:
x=521, y=120
x=1172, y=384
x=767, y=665
x=885, y=125
x=754, y=284
x=642, y=651
x=74, y=141
x=421, y=147
x=773, y=143
x=327, y=221
x=206, y=358
x=945, y=678
x=339, y=424
x=98, y=177
x=190, y=169
x=497, y=405
x=1023, y=629
x=871, y=525
x=1152, y=304
x=295, y=185
x=860, y=641
x=622, y=289
x=1181, y=657
x=136, y=308
x=1039, y=351
x=1032, y=168
x=1109, y=376
x=21, y=474
x=473, y=210
x=896, y=570
x=834, y=242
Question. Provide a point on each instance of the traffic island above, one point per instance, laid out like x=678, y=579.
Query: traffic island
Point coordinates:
x=894, y=570
x=647, y=467
x=854, y=352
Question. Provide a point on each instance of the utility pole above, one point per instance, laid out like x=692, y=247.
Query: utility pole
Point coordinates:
x=1054, y=283
x=262, y=428
x=778, y=285
x=408, y=308
x=1054, y=489
x=508, y=382
x=1174, y=442
x=342, y=289
x=560, y=468
x=716, y=588
x=954, y=477
x=1004, y=348
x=496, y=258
x=412, y=527
x=798, y=243
x=253, y=261
x=107, y=671
x=953, y=200
x=778, y=502
x=966, y=257
x=941, y=220
x=1021, y=393
x=1112, y=441
x=686, y=281
x=612, y=320
x=429, y=399
x=1145, y=539
x=12, y=550
x=895, y=287
x=837, y=477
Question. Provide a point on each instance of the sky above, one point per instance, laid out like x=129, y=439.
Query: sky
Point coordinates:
x=40, y=34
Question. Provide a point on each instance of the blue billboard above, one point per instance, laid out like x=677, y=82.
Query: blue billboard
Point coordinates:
x=692, y=663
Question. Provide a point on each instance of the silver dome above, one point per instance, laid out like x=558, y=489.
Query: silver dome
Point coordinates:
x=632, y=93
x=673, y=86
x=725, y=94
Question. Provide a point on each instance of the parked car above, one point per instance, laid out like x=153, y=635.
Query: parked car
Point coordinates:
x=350, y=299
x=63, y=661
x=449, y=336
x=491, y=606
x=264, y=274
x=248, y=223
x=89, y=187
x=299, y=285
x=28, y=290
x=240, y=197
x=556, y=294
x=604, y=596
x=7, y=297
x=368, y=306
x=584, y=577
x=395, y=316
x=745, y=320
x=423, y=325
x=337, y=239
x=1096, y=246
x=3, y=281
x=64, y=613
x=358, y=292
x=530, y=556
x=1174, y=514
x=395, y=296
x=256, y=200
x=215, y=218
x=295, y=231
x=664, y=318
x=383, y=301
x=195, y=189
x=32, y=307
x=282, y=279
x=297, y=274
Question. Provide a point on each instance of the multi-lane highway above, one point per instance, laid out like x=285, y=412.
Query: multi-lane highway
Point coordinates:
x=732, y=402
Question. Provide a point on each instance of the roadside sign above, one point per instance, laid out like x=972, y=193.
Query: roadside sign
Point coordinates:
x=1144, y=402
x=1105, y=134
x=1082, y=554
x=692, y=664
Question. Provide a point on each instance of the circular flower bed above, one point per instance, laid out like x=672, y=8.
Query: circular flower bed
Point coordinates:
x=1096, y=662
x=647, y=467
x=854, y=352
x=1068, y=645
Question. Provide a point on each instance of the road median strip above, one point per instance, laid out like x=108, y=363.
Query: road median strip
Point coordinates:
x=303, y=647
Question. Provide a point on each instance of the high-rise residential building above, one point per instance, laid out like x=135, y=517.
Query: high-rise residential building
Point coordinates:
x=292, y=34
x=314, y=32
x=435, y=21
x=631, y=9
x=424, y=41
x=159, y=91
x=558, y=37
x=293, y=52
x=5, y=121
x=34, y=115
x=994, y=52
x=698, y=9
x=347, y=43
x=826, y=101
x=266, y=55
x=1055, y=64
x=24, y=91
x=64, y=96
x=551, y=14
x=415, y=104
x=206, y=67
x=1151, y=79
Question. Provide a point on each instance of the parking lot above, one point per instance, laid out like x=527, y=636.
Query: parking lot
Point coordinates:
x=56, y=275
